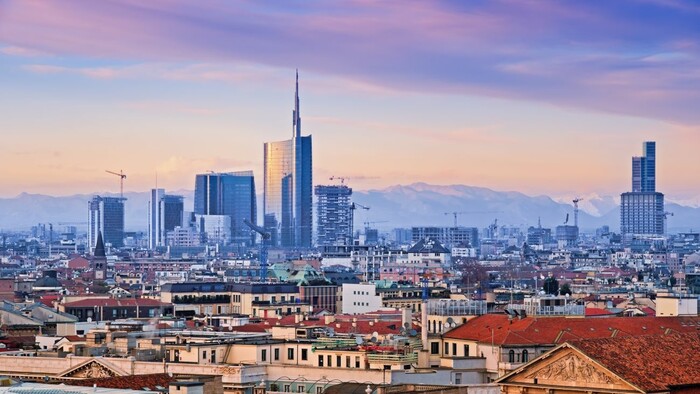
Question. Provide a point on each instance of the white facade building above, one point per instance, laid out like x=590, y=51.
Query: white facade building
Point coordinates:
x=360, y=298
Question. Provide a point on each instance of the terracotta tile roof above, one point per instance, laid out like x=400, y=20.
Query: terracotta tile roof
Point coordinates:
x=75, y=338
x=111, y=302
x=131, y=382
x=500, y=330
x=650, y=362
x=598, y=312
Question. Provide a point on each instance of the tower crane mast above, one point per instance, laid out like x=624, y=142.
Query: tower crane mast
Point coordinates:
x=121, y=176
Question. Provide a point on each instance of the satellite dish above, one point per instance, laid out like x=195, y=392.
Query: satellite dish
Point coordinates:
x=358, y=340
x=450, y=320
x=374, y=339
x=375, y=334
x=407, y=325
x=413, y=333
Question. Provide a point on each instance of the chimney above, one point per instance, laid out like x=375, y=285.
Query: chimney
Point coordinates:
x=406, y=317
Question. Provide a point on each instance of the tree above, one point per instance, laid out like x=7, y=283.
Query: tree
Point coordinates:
x=565, y=289
x=671, y=281
x=551, y=286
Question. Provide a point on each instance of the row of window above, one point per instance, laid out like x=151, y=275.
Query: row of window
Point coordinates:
x=290, y=354
x=338, y=361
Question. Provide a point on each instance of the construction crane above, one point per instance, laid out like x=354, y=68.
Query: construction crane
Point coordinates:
x=340, y=178
x=121, y=176
x=367, y=224
x=266, y=236
x=455, y=214
x=576, y=201
x=354, y=206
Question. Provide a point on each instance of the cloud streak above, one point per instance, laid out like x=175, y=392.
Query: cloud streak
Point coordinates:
x=638, y=58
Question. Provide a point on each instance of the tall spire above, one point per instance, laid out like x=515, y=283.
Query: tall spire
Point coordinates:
x=296, y=117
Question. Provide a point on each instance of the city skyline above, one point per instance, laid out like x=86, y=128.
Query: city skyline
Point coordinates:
x=510, y=118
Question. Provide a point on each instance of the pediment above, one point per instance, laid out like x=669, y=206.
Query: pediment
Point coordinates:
x=567, y=367
x=91, y=369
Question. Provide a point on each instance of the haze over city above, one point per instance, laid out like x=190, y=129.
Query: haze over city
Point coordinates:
x=539, y=97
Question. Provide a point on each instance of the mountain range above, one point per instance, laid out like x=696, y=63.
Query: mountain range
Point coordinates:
x=396, y=206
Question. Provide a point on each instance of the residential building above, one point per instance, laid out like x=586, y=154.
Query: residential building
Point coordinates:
x=448, y=236
x=334, y=215
x=288, y=184
x=642, y=209
x=231, y=194
x=662, y=363
x=108, y=309
x=360, y=298
x=106, y=215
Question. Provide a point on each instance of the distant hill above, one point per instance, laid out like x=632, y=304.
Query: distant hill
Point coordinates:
x=395, y=206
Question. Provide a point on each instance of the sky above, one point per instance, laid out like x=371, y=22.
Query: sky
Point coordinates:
x=542, y=97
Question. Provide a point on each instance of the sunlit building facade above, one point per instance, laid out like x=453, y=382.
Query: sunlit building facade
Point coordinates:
x=642, y=210
x=334, y=215
x=288, y=187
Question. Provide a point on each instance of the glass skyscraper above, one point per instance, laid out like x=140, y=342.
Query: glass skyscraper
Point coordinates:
x=230, y=194
x=106, y=215
x=288, y=186
x=165, y=212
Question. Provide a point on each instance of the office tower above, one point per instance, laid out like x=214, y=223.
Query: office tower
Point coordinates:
x=642, y=209
x=288, y=188
x=231, y=194
x=106, y=215
x=334, y=215
x=154, y=217
x=165, y=212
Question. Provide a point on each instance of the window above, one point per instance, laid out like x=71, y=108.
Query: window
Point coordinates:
x=320, y=360
x=204, y=354
x=338, y=362
x=287, y=388
x=511, y=356
x=329, y=360
x=263, y=355
x=347, y=361
x=357, y=361
x=525, y=355
x=300, y=388
x=290, y=354
x=447, y=348
x=458, y=378
x=454, y=349
x=319, y=390
x=466, y=350
x=277, y=354
x=304, y=354
x=434, y=348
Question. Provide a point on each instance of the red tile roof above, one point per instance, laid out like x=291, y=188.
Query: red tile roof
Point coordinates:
x=111, y=302
x=129, y=382
x=598, y=312
x=555, y=330
x=650, y=362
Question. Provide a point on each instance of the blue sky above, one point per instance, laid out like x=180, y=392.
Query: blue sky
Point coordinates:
x=538, y=96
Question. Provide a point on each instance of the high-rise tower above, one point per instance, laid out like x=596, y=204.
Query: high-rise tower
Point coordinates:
x=106, y=216
x=334, y=215
x=230, y=194
x=288, y=185
x=642, y=210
